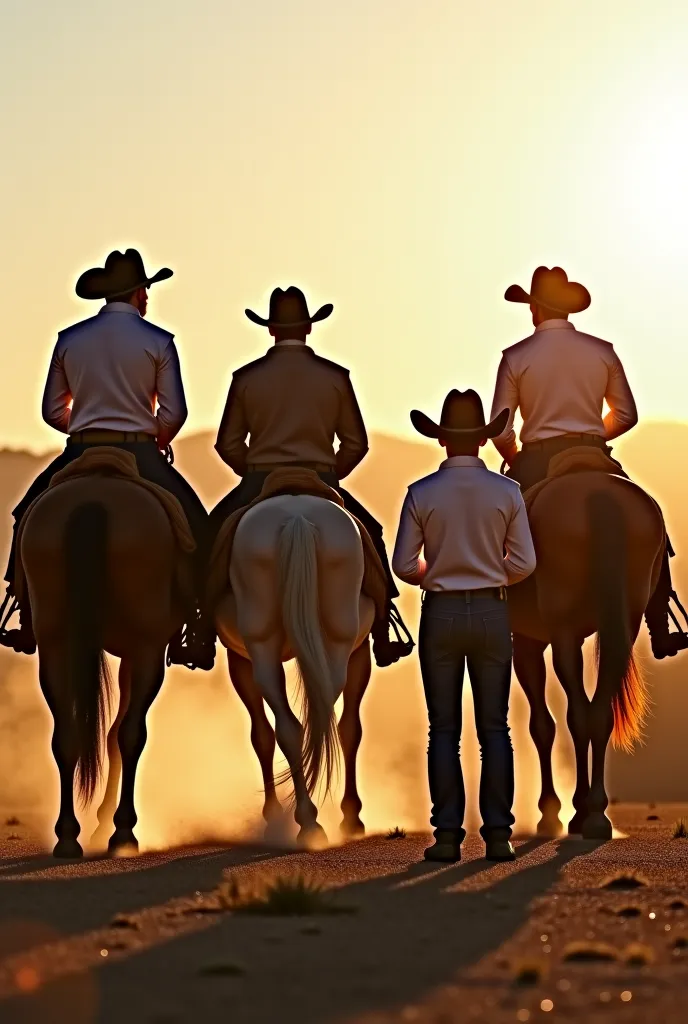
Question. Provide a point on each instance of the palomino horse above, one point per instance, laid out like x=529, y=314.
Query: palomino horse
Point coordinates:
x=100, y=557
x=599, y=541
x=296, y=572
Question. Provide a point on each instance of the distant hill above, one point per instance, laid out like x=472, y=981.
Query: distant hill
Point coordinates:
x=199, y=776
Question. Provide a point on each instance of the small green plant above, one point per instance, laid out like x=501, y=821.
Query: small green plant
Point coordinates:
x=680, y=830
x=396, y=833
x=529, y=972
x=638, y=955
x=285, y=896
x=590, y=952
x=623, y=880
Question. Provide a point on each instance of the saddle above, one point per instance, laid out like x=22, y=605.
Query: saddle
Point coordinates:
x=112, y=462
x=293, y=480
x=574, y=460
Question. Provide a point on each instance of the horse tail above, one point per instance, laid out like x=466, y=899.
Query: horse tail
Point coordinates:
x=298, y=581
x=88, y=674
x=618, y=671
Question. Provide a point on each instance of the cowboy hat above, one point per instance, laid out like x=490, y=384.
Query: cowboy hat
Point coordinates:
x=462, y=419
x=122, y=274
x=289, y=309
x=553, y=290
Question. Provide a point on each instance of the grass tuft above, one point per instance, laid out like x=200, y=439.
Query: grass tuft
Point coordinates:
x=396, y=833
x=653, y=817
x=638, y=955
x=124, y=921
x=525, y=973
x=678, y=905
x=624, y=880
x=13, y=821
x=590, y=952
x=284, y=896
x=680, y=830
x=681, y=942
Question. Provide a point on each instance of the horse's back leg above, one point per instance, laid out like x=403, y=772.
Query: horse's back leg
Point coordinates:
x=147, y=675
x=531, y=672
x=262, y=735
x=268, y=672
x=567, y=658
x=109, y=803
x=53, y=682
x=350, y=735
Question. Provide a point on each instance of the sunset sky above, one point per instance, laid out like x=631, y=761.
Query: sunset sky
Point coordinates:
x=405, y=160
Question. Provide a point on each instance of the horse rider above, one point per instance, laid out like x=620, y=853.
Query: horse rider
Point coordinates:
x=472, y=527
x=107, y=375
x=292, y=404
x=559, y=378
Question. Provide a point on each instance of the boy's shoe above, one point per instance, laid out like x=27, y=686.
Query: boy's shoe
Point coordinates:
x=499, y=849
x=446, y=848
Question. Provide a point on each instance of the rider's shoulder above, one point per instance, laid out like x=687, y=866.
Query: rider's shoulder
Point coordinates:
x=78, y=328
x=248, y=368
x=329, y=364
x=152, y=330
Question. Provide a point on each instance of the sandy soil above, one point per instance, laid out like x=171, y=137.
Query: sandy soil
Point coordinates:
x=142, y=940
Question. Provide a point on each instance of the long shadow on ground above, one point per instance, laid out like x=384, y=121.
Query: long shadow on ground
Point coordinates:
x=411, y=934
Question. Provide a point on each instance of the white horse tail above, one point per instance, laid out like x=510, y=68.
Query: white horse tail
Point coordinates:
x=298, y=579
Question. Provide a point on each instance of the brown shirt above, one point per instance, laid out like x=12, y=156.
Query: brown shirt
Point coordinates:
x=291, y=404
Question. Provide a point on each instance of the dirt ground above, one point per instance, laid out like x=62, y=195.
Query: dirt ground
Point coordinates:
x=145, y=940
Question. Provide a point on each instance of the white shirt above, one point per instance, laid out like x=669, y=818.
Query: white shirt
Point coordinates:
x=113, y=369
x=559, y=378
x=464, y=517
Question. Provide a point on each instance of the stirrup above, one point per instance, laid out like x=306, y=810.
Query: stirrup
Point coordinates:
x=6, y=612
x=399, y=626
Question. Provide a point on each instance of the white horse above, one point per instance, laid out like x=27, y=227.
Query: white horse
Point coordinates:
x=295, y=575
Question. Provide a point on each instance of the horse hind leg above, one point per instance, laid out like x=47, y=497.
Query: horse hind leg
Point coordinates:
x=350, y=734
x=262, y=740
x=108, y=805
x=65, y=751
x=147, y=675
x=567, y=658
x=268, y=673
x=531, y=672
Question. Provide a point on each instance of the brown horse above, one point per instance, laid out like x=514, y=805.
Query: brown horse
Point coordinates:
x=296, y=574
x=100, y=559
x=599, y=541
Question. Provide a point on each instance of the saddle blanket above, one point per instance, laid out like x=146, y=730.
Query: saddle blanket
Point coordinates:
x=293, y=480
x=113, y=462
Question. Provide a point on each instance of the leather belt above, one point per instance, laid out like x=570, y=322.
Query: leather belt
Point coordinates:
x=270, y=467
x=109, y=437
x=593, y=439
x=499, y=593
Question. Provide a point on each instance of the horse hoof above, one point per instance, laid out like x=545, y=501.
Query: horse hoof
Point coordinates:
x=68, y=849
x=277, y=831
x=352, y=829
x=123, y=843
x=313, y=837
x=549, y=827
x=576, y=824
x=597, y=826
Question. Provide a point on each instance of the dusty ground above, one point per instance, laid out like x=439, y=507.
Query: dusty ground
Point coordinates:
x=418, y=943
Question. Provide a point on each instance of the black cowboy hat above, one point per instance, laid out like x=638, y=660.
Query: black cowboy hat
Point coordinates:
x=122, y=274
x=463, y=419
x=553, y=290
x=289, y=309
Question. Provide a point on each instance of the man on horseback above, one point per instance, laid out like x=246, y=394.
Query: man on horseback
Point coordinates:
x=106, y=377
x=472, y=527
x=559, y=378
x=292, y=403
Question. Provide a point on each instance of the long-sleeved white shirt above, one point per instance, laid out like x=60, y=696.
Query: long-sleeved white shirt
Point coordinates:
x=110, y=372
x=463, y=517
x=559, y=378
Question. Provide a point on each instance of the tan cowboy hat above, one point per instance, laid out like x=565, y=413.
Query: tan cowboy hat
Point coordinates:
x=122, y=274
x=553, y=290
x=289, y=309
x=462, y=419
